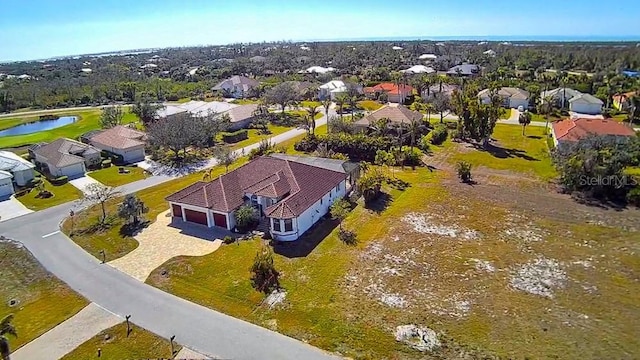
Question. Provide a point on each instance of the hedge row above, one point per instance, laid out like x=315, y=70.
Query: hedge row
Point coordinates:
x=236, y=136
x=356, y=147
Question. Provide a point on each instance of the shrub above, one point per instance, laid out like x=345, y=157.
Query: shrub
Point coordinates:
x=236, y=136
x=357, y=147
x=412, y=157
x=35, y=182
x=451, y=125
x=106, y=163
x=633, y=196
x=425, y=143
x=464, y=171
x=246, y=217
x=438, y=135
x=60, y=180
x=228, y=239
x=347, y=236
x=264, y=274
x=265, y=148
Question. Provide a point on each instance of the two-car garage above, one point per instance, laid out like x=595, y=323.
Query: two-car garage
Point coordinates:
x=199, y=217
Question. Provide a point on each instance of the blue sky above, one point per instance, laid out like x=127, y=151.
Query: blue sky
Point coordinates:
x=32, y=29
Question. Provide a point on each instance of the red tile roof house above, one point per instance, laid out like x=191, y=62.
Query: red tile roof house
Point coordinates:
x=395, y=93
x=124, y=141
x=291, y=195
x=572, y=130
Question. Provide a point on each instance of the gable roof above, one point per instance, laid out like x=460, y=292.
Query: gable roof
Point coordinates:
x=395, y=113
x=119, y=137
x=5, y=175
x=390, y=88
x=419, y=69
x=64, y=152
x=558, y=92
x=12, y=162
x=507, y=92
x=301, y=184
x=586, y=98
x=334, y=86
x=576, y=129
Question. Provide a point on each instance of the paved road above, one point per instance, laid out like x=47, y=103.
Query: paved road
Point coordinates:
x=199, y=328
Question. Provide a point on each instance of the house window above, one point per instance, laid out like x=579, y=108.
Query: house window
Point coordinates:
x=288, y=225
x=276, y=224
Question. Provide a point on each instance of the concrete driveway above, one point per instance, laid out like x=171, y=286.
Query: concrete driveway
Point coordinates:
x=11, y=208
x=82, y=182
x=164, y=240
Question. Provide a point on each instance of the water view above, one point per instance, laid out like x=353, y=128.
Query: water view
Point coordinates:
x=37, y=126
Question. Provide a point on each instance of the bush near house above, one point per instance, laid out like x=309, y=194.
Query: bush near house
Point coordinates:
x=438, y=135
x=236, y=136
x=60, y=180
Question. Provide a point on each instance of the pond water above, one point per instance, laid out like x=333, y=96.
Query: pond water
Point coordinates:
x=37, y=126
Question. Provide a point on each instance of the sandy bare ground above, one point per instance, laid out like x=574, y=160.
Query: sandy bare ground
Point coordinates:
x=162, y=241
x=70, y=334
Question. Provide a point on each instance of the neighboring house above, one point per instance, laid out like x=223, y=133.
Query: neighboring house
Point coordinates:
x=395, y=93
x=332, y=89
x=490, y=53
x=317, y=70
x=290, y=196
x=577, y=101
x=464, y=70
x=396, y=113
x=65, y=157
x=419, y=69
x=13, y=170
x=121, y=140
x=572, y=130
x=6, y=184
x=622, y=102
x=511, y=97
x=241, y=116
x=306, y=89
x=195, y=108
x=237, y=86
x=445, y=89
x=428, y=57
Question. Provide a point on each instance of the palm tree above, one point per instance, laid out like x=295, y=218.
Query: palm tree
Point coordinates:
x=414, y=129
x=341, y=99
x=524, y=119
x=312, y=111
x=429, y=107
x=380, y=127
x=6, y=328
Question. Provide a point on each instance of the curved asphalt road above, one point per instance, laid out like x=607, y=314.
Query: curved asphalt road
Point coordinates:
x=199, y=328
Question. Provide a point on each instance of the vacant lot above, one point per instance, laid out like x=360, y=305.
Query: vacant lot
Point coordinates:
x=499, y=268
x=87, y=120
x=115, y=344
x=38, y=300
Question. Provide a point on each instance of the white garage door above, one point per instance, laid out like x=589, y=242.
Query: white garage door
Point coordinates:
x=6, y=188
x=73, y=171
x=134, y=155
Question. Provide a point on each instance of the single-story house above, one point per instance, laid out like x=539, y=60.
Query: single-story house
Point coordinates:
x=291, y=196
x=332, y=89
x=419, y=69
x=195, y=108
x=396, y=113
x=622, y=102
x=6, y=184
x=317, y=70
x=511, y=97
x=349, y=168
x=572, y=130
x=237, y=86
x=121, y=140
x=241, y=116
x=395, y=93
x=444, y=89
x=306, y=89
x=577, y=101
x=428, y=57
x=65, y=157
x=20, y=169
x=464, y=70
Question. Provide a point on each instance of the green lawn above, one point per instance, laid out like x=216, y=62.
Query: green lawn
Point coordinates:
x=43, y=301
x=111, y=177
x=528, y=154
x=61, y=194
x=110, y=239
x=369, y=105
x=256, y=136
x=307, y=103
x=87, y=120
x=140, y=344
x=302, y=113
x=288, y=145
x=246, y=101
x=541, y=118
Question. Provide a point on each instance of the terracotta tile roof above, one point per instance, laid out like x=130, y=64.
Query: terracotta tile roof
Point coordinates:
x=396, y=113
x=64, y=152
x=576, y=129
x=390, y=88
x=119, y=137
x=265, y=176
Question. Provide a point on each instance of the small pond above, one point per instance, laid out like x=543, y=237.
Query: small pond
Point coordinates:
x=37, y=126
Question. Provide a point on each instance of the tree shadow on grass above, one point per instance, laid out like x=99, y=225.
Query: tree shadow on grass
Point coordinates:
x=504, y=153
x=380, y=204
x=398, y=184
x=613, y=203
x=133, y=229
x=308, y=242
